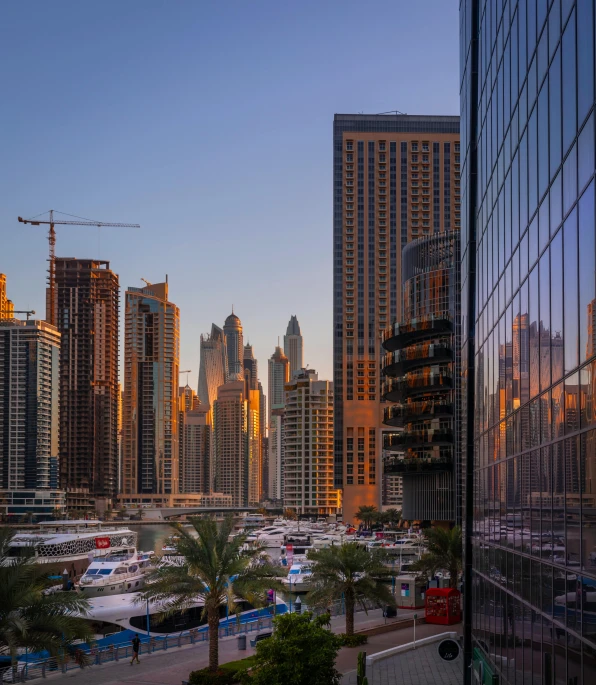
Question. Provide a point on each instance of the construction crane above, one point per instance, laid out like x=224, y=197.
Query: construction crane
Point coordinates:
x=186, y=371
x=146, y=282
x=28, y=312
x=52, y=240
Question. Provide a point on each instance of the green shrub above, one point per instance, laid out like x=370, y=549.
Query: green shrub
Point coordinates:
x=352, y=640
x=207, y=677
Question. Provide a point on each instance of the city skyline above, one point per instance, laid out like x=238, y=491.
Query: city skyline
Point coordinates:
x=102, y=162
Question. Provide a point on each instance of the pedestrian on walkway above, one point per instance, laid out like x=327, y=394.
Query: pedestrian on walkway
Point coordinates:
x=136, y=643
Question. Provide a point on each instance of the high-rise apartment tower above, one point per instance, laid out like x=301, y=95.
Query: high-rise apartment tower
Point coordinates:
x=150, y=407
x=395, y=178
x=88, y=304
x=234, y=346
x=279, y=375
x=293, y=345
x=308, y=437
x=29, y=405
x=528, y=363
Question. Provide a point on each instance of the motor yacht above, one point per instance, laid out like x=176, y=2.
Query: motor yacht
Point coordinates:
x=125, y=614
x=116, y=574
x=299, y=577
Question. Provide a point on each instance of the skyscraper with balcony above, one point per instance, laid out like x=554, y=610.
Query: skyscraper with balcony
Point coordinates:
x=194, y=442
x=528, y=287
x=29, y=405
x=231, y=433
x=420, y=371
x=279, y=375
x=234, y=346
x=293, y=345
x=308, y=444
x=150, y=406
x=88, y=306
x=396, y=178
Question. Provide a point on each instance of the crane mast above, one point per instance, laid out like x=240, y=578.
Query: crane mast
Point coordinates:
x=52, y=244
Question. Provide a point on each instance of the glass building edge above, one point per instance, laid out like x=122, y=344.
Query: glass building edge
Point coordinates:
x=527, y=338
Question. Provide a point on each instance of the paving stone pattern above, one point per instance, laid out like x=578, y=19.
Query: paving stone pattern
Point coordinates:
x=421, y=666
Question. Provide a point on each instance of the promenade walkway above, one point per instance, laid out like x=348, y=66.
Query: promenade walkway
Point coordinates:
x=173, y=666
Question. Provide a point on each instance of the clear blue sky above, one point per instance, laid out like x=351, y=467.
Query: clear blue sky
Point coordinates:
x=210, y=124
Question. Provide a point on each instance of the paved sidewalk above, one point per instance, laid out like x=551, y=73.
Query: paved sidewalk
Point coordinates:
x=421, y=666
x=171, y=667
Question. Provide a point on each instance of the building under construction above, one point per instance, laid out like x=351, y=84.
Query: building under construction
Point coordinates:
x=87, y=309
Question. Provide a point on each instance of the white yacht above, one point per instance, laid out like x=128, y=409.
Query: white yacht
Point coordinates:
x=70, y=545
x=116, y=574
x=114, y=613
x=299, y=577
x=272, y=536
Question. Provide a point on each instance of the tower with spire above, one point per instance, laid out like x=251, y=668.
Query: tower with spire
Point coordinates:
x=234, y=346
x=293, y=345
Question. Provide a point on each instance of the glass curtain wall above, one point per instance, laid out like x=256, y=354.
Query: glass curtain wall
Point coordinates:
x=529, y=346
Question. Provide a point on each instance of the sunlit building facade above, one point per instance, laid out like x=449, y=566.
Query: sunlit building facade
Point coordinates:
x=294, y=345
x=528, y=357
x=395, y=179
x=279, y=375
x=150, y=406
x=308, y=445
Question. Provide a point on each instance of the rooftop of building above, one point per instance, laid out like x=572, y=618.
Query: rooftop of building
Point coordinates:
x=394, y=122
x=233, y=320
x=293, y=326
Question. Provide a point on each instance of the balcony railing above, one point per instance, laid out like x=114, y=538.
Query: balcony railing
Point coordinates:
x=416, y=384
x=419, y=438
x=402, y=414
x=401, y=361
x=401, y=334
x=413, y=466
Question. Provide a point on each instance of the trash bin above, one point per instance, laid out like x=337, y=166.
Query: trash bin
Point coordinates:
x=242, y=642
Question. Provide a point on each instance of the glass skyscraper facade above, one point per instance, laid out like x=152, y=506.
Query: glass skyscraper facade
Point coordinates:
x=528, y=346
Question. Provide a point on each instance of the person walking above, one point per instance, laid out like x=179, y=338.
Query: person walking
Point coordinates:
x=136, y=644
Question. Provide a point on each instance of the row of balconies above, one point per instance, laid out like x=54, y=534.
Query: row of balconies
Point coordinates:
x=402, y=414
x=425, y=438
x=399, y=389
x=401, y=361
x=412, y=466
x=401, y=335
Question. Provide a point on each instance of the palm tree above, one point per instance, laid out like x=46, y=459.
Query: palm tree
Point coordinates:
x=349, y=571
x=31, y=619
x=366, y=514
x=216, y=571
x=444, y=551
x=393, y=516
x=290, y=514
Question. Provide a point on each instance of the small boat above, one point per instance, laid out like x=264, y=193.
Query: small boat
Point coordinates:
x=169, y=546
x=116, y=574
x=299, y=577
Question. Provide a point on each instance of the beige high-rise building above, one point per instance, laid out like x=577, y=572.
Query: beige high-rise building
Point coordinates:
x=308, y=462
x=150, y=407
x=194, y=442
x=396, y=178
x=230, y=414
x=6, y=306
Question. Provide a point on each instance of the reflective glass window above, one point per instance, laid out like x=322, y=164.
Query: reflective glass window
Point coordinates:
x=585, y=57
x=570, y=258
x=569, y=84
x=587, y=273
x=554, y=77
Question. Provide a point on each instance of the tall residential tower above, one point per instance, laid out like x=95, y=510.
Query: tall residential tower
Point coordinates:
x=150, y=407
x=279, y=375
x=88, y=305
x=234, y=346
x=29, y=406
x=396, y=177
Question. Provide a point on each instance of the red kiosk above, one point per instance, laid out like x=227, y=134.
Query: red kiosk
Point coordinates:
x=442, y=605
